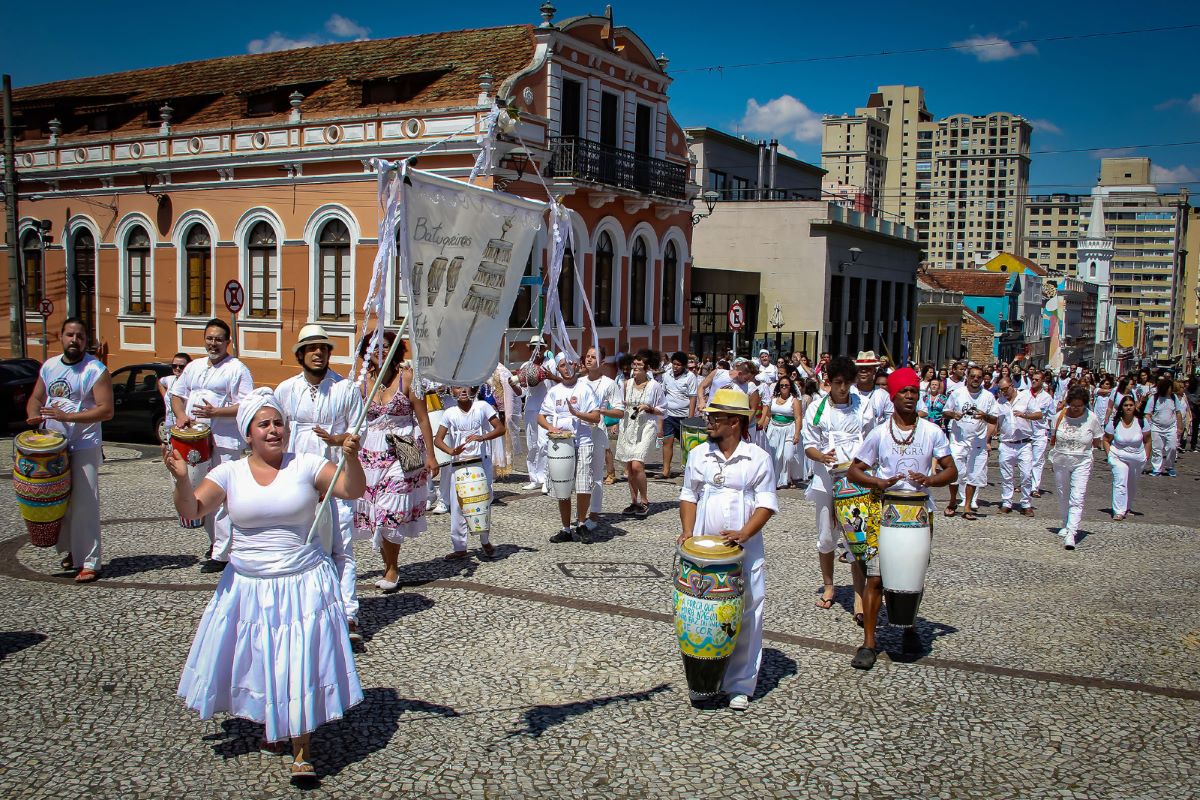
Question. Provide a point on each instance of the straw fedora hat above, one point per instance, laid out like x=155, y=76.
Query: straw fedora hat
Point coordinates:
x=729, y=401
x=311, y=334
x=867, y=358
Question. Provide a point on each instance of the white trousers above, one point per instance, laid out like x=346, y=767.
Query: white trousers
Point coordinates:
x=335, y=532
x=971, y=459
x=1071, y=478
x=1041, y=442
x=741, y=676
x=216, y=524
x=1126, y=472
x=446, y=485
x=1164, y=447
x=458, y=523
x=80, y=536
x=1016, y=463
x=535, y=448
x=827, y=538
x=597, y=477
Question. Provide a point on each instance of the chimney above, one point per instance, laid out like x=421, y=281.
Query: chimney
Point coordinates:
x=762, y=149
x=774, y=159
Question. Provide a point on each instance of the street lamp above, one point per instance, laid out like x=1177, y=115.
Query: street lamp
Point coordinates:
x=855, y=252
x=148, y=174
x=710, y=199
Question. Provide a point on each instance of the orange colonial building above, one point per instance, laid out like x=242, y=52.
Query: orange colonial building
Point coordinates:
x=142, y=194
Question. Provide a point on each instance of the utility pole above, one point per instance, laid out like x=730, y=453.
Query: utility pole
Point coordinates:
x=16, y=296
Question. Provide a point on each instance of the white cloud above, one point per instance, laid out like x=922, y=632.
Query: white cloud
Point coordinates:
x=783, y=116
x=1045, y=126
x=1114, y=152
x=344, y=28
x=787, y=151
x=1194, y=103
x=277, y=41
x=993, y=48
x=1180, y=174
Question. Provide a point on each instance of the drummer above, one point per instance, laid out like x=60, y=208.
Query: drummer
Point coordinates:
x=209, y=391
x=902, y=452
x=465, y=426
x=571, y=407
x=73, y=396
x=320, y=408
x=729, y=491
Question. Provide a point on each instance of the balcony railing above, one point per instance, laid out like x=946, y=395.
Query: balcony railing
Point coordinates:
x=585, y=160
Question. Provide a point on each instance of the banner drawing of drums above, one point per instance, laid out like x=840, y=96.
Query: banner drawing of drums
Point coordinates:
x=695, y=432
x=905, y=539
x=194, y=445
x=443, y=458
x=560, y=465
x=474, y=495
x=708, y=610
x=42, y=483
x=856, y=510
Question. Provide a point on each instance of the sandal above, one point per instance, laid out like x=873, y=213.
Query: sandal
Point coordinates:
x=860, y=620
x=824, y=603
x=969, y=515
x=302, y=770
x=609, y=480
x=643, y=511
x=67, y=562
x=950, y=510
x=864, y=658
x=87, y=576
x=630, y=509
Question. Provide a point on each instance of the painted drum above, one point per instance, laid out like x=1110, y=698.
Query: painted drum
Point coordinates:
x=42, y=483
x=708, y=610
x=560, y=465
x=474, y=495
x=695, y=432
x=856, y=512
x=905, y=538
x=194, y=445
x=443, y=458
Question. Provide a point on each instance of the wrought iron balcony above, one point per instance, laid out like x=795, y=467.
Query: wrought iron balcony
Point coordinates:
x=585, y=160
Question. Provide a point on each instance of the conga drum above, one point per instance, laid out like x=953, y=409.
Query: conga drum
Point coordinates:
x=435, y=421
x=560, y=465
x=194, y=446
x=708, y=610
x=473, y=493
x=905, y=537
x=856, y=511
x=42, y=483
x=695, y=431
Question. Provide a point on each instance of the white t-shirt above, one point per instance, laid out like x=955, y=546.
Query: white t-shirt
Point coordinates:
x=721, y=379
x=1128, y=440
x=1161, y=413
x=839, y=429
x=222, y=385
x=679, y=392
x=71, y=388
x=877, y=407
x=460, y=424
x=767, y=373
x=607, y=396
x=554, y=408
x=1011, y=427
x=952, y=384
x=1043, y=401
x=970, y=428
x=165, y=382
x=880, y=450
x=1075, y=434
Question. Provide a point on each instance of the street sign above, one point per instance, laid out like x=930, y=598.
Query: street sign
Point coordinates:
x=46, y=307
x=235, y=298
x=737, y=316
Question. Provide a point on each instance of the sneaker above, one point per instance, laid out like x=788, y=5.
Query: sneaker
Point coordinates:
x=1005, y=508
x=1069, y=541
x=563, y=535
x=531, y=486
x=580, y=534
x=1027, y=511
x=546, y=489
x=1171, y=474
x=1062, y=533
x=440, y=508
x=739, y=702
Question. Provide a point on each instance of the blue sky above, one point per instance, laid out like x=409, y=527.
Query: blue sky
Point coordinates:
x=1069, y=87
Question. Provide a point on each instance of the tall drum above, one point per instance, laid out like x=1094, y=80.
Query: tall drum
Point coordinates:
x=856, y=510
x=560, y=465
x=194, y=445
x=708, y=610
x=42, y=483
x=474, y=495
x=905, y=538
x=695, y=432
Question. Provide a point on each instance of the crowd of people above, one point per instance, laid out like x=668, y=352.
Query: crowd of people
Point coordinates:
x=770, y=424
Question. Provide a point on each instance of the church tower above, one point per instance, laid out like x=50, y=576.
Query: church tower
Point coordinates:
x=1095, y=252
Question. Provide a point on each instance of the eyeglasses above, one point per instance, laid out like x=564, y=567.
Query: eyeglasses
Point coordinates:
x=178, y=366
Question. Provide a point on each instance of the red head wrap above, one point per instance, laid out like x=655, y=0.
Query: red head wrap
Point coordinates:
x=902, y=379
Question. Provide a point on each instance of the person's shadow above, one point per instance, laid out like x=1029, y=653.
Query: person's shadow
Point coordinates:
x=776, y=665
x=376, y=612
x=15, y=641
x=123, y=566
x=606, y=532
x=539, y=719
x=890, y=639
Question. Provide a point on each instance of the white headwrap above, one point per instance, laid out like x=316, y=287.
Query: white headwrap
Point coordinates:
x=251, y=404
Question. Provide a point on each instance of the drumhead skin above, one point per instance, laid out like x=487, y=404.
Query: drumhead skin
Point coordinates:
x=41, y=441
x=710, y=550
x=903, y=496
x=199, y=430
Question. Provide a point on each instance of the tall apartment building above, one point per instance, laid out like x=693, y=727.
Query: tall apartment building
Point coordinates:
x=959, y=180
x=1051, y=231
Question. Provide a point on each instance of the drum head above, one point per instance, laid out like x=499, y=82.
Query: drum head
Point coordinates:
x=41, y=441
x=198, y=431
x=710, y=548
x=903, y=496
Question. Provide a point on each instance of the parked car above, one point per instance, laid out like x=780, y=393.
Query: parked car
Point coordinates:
x=138, y=406
x=18, y=376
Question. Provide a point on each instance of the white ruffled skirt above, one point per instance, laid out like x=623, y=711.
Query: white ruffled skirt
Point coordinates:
x=275, y=651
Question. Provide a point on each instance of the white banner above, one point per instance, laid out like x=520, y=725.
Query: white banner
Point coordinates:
x=463, y=259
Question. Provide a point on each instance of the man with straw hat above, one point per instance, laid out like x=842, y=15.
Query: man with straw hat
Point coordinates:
x=533, y=380
x=729, y=491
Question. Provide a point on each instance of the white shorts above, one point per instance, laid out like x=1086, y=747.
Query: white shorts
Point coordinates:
x=971, y=459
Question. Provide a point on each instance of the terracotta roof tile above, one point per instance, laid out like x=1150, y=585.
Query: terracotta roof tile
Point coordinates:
x=978, y=320
x=975, y=283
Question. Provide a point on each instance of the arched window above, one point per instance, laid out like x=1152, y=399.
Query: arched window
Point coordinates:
x=31, y=257
x=566, y=287
x=262, y=271
x=333, y=287
x=137, y=271
x=669, y=287
x=83, y=255
x=604, y=279
x=198, y=272
x=637, y=283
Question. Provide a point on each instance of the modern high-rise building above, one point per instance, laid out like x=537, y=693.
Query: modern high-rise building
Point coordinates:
x=1051, y=231
x=959, y=180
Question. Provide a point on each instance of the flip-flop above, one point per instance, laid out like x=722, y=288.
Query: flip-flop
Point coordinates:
x=969, y=515
x=824, y=604
x=860, y=620
x=951, y=510
x=864, y=658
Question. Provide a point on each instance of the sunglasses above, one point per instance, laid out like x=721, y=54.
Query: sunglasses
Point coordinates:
x=178, y=366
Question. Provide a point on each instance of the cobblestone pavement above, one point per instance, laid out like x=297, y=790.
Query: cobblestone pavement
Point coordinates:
x=552, y=671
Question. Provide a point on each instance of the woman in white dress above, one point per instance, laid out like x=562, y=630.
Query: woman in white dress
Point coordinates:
x=272, y=645
x=781, y=420
x=393, y=506
x=1076, y=432
x=1128, y=451
x=642, y=404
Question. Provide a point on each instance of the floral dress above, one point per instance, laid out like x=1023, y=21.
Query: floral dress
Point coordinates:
x=393, y=506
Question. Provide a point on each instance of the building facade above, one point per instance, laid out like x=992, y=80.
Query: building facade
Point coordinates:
x=1051, y=232
x=938, y=326
x=143, y=193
